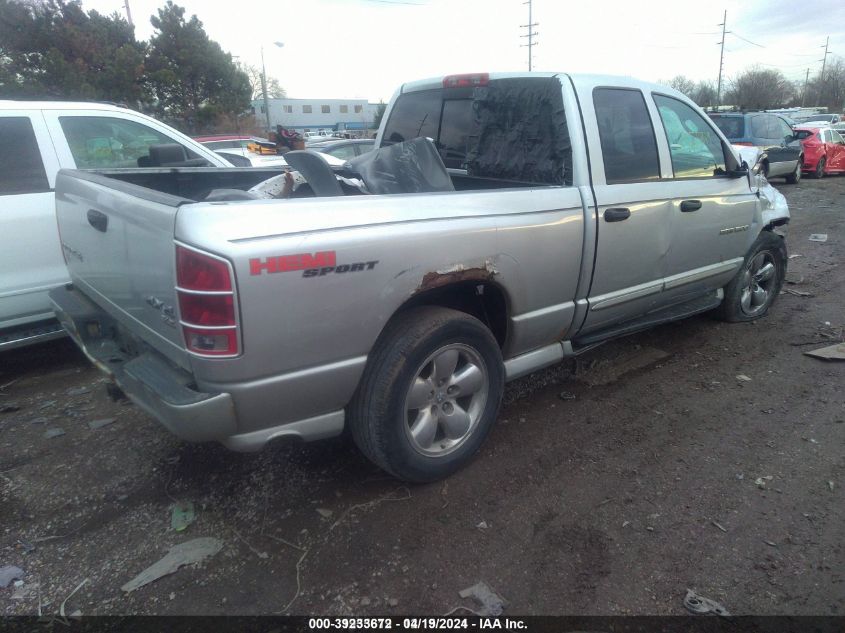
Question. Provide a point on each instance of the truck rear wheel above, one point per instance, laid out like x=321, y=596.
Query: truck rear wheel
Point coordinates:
x=430, y=394
x=755, y=287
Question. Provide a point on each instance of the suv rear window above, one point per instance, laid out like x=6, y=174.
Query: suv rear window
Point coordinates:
x=511, y=129
x=732, y=127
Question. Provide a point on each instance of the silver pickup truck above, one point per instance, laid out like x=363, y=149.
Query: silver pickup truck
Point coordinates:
x=504, y=222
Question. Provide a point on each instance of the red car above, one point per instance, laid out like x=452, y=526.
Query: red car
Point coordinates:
x=824, y=151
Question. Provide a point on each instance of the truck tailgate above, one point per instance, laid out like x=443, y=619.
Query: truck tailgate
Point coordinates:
x=117, y=239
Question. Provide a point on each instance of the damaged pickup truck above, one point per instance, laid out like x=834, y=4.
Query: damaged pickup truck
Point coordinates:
x=503, y=223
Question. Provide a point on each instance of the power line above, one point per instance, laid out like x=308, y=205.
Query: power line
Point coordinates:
x=735, y=34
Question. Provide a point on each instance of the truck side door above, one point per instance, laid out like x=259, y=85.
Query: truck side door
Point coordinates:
x=711, y=213
x=30, y=255
x=633, y=209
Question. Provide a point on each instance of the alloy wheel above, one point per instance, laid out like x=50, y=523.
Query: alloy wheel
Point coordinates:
x=446, y=400
x=759, y=283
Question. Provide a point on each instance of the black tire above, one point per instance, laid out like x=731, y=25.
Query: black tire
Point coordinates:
x=819, y=173
x=378, y=414
x=732, y=308
x=795, y=177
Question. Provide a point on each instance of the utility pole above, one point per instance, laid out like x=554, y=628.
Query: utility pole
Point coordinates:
x=264, y=90
x=823, y=60
x=804, y=93
x=531, y=33
x=721, y=60
x=128, y=12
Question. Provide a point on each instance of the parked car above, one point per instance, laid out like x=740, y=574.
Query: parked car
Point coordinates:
x=401, y=314
x=824, y=150
x=346, y=149
x=772, y=134
x=817, y=120
x=245, y=158
x=39, y=138
x=227, y=141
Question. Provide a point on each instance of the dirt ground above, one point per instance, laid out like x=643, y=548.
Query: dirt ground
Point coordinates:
x=609, y=486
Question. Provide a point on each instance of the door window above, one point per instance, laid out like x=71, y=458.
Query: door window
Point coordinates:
x=627, y=136
x=695, y=147
x=343, y=152
x=759, y=128
x=784, y=130
x=836, y=137
x=21, y=167
x=108, y=142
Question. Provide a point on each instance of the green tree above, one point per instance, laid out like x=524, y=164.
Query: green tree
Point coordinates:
x=53, y=49
x=193, y=80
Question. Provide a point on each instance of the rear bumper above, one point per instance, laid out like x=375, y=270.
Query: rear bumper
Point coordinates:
x=169, y=393
x=147, y=378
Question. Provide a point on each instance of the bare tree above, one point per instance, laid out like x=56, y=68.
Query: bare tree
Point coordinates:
x=704, y=94
x=760, y=89
x=681, y=84
x=829, y=90
x=274, y=88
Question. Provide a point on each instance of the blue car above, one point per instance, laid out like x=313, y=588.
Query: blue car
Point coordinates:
x=772, y=134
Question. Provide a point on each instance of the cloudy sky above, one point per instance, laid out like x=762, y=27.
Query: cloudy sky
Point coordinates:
x=366, y=48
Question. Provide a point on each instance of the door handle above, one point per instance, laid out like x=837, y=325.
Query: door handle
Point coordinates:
x=616, y=214
x=98, y=220
x=690, y=205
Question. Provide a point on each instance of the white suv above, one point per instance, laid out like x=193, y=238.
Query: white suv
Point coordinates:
x=38, y=139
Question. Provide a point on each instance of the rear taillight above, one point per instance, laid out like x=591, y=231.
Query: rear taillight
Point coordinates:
x=205, y=288
x=466, y=81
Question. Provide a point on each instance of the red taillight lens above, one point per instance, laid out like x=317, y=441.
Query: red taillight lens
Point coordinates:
x=466, y=81
x=195, y=271
x=743, y=143
x=211, y=310
x=204, y=286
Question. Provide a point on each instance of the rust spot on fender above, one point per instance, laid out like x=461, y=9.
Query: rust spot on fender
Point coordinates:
x=437, y=279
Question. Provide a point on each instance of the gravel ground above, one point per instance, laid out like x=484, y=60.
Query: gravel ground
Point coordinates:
x=609, y=486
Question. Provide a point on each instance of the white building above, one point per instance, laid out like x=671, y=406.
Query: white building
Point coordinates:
x=310, y=115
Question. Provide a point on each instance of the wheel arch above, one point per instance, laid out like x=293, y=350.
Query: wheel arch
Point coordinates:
x=476, y=295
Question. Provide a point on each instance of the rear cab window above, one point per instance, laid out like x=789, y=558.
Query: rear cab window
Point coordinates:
x=509, y=129
x=21, y=167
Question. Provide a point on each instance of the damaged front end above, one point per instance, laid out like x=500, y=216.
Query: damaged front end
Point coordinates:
x=775, y=210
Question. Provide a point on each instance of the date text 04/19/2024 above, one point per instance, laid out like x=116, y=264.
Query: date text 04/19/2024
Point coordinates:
x=418, y=623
